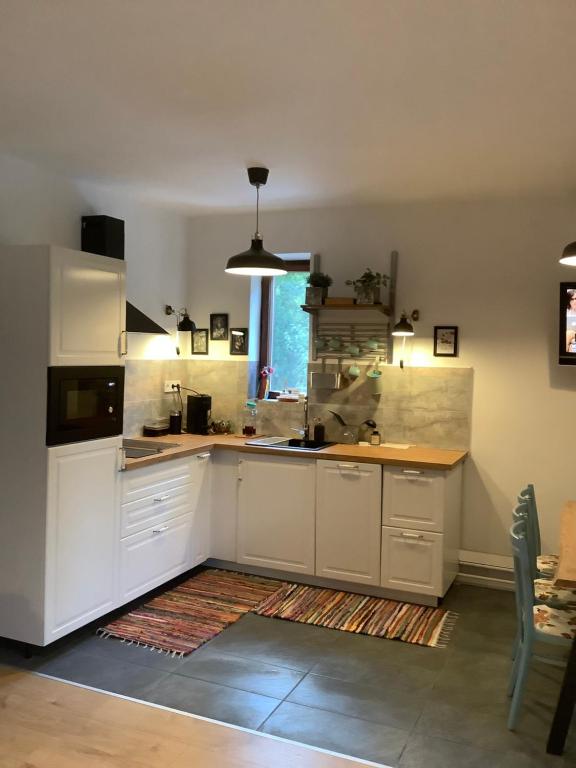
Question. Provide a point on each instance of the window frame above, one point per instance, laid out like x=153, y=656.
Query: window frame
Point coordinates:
x=266, y=308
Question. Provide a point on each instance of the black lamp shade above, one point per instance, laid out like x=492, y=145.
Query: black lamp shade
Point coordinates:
x=403, y=327
x=256, y=261
x=186, y=324
x=569, y=255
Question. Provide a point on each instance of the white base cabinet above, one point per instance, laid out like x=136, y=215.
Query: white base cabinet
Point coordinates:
x=276, y=513
x=348, y=521
x=82, y=534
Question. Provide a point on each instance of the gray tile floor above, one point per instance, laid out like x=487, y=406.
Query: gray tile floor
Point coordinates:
x=385, y=701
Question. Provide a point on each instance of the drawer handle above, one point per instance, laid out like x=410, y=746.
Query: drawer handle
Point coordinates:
x=161, y=498
x=411, y=471
x=203, y=456
x=412, y=536
x=160, y=530
x=348, y=466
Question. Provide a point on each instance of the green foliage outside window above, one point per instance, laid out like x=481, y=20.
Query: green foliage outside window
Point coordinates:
x=290, y=332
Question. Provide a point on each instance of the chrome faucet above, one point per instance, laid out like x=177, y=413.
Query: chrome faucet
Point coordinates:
x=304, y=431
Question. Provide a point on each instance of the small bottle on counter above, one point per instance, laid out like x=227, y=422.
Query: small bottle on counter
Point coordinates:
x=249, y=419
x=375, y=438
x=319, y=431
x=175, y=427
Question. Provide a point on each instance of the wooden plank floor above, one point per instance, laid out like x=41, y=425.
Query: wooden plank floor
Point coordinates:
x=48, y=724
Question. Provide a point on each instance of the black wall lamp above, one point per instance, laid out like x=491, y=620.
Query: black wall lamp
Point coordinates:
x=569, y=255
x=256, y=261
x=183, y=322
x=405, y=328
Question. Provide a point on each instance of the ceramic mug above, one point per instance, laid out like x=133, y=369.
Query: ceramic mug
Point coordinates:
x=353, y=372
x=334, y=343
x=375, y=380
x=371, y=344
x=320, y=343
x=353, y=349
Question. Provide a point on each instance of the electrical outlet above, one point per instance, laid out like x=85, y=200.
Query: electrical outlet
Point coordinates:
x=168, y=385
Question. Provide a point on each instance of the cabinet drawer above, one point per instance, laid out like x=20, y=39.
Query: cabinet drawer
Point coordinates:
x=150, y=481
x=153, y=556
x=152, y=510
x=412, y=560
x=414, y=498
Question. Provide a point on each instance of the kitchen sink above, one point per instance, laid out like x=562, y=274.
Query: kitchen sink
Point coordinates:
x=294, y=443
x=136, y=449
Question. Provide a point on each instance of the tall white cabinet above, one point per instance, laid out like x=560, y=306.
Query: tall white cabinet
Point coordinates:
x=59, y=507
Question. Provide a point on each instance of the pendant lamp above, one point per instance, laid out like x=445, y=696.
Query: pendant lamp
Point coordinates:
x=569, y=255
x=256, y=261
x=403, y=327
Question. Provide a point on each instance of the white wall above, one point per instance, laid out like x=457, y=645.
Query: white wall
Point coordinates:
x=37, y=206
x=490, y=268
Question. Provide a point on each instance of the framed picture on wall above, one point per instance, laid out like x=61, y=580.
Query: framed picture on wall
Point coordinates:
x=200, y=341
x=567, y=324
x=219, y=326
x=445, y=341
x=238, y=341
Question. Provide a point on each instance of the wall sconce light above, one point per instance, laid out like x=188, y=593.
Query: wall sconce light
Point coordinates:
x=183, y=322
x=569, y=255
x=405, y=328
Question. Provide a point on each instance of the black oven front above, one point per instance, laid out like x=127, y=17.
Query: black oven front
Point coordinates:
x=84, y=403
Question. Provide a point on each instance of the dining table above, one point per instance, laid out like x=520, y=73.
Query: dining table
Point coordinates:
x=565, y=577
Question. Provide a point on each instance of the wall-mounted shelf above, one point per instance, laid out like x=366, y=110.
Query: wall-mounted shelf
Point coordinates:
x=313, y=308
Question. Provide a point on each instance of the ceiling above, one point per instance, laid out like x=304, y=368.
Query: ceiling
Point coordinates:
x=346, y=101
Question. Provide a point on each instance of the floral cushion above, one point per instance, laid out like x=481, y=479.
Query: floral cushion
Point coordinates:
x=547, y=564
x=546, y=592
x=559, y=622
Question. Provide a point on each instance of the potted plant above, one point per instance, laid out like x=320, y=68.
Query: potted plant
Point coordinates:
x=317, y=290
x=367, y=286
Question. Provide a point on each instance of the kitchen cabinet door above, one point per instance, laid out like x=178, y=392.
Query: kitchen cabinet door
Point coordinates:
x=201, y=508
x=412, y=561
x=276, y=500
x=83, y=524
x=87, y=309
x=348, y=521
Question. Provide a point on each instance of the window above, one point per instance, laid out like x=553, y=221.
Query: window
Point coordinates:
x=284, y=327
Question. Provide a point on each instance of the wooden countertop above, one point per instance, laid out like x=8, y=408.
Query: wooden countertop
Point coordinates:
x=566, y=571
x=415, y=456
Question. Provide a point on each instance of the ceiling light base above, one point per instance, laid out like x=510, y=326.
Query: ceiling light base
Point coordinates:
x=258, y=176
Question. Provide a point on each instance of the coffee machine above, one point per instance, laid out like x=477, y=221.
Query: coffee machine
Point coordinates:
x=198, y=409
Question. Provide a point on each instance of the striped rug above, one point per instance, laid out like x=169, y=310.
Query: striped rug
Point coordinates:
x=184, y=618
x=364, y=615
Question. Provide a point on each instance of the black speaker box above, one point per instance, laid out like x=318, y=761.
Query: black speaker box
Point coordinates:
x=103, y=235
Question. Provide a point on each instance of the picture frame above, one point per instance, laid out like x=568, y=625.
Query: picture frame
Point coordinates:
x=445, y=341
x=567, y=324
x=238, y=341
x=200, y=343
x=219, y=326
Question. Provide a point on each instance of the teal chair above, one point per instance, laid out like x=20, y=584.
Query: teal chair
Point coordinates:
x=540, y=623
x=546, y=564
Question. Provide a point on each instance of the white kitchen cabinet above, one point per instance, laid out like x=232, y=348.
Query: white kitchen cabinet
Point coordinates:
x=82, y=534
x=153, y=556
x=276, y=513
x=87, y=308
x=348, y=521
x=201, y=508
x=421, y=533
x=412, y=561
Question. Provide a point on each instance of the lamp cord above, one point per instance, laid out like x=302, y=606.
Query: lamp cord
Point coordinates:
x=257, y=209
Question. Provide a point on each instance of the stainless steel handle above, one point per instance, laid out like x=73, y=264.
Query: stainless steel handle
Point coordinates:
x=160, y=530
x=123, y=335
x=412, y=472
x=161, y=498
x=411, y=536
x=121, y=459
x=348, y=466
x=202, y=455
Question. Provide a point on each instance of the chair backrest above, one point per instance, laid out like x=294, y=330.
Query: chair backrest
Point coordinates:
x=522, y=512
x=522, y=576
x=528, y=494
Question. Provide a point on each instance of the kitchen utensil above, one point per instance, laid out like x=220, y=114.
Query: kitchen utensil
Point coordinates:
x=371, y=344
x=353, y=349
x=353, y=371
x=334, y=343
x=375, y=381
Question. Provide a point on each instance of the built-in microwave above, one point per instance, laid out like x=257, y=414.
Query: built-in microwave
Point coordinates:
x=84, y=403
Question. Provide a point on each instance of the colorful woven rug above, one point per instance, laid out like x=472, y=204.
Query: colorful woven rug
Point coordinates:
x=186, y=617
x=364, y=615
